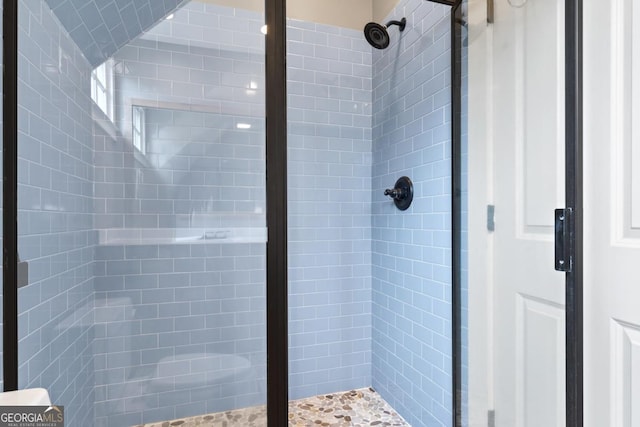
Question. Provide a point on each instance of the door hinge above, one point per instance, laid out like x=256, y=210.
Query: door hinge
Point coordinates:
x=491, y=218
x=563, y=247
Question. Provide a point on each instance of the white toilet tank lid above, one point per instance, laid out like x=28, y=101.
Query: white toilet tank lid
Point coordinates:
x=26, y=397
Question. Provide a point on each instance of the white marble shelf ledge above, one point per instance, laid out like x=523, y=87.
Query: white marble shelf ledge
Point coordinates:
x=190, y=236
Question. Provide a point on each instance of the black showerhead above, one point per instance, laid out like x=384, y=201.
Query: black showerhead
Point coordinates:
x=377, y=34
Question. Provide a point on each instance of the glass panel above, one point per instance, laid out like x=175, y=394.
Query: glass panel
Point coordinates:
x=146, y=294
x=516, y=316
x=370, y=284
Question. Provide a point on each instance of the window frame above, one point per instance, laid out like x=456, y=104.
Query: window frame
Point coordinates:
x=102, y=84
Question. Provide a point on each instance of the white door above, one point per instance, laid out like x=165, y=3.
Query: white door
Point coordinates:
x=612, y=213
x=516, y=162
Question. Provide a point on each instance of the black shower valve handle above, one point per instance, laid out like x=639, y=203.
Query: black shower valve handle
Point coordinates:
x=402, y=193
x=396, y=193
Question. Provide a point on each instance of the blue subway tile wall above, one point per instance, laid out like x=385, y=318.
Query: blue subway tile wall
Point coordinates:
x=329, y=199
x=165, y=330
x=412, y=249
x=101, y=27
x=179, y=330
x=330, y=168
x=195, y=303
x=180, y=327
x=204, y=98
x=196, y=170
x=55, y=201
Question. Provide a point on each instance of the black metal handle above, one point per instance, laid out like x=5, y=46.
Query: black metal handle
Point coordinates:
x=396, y=193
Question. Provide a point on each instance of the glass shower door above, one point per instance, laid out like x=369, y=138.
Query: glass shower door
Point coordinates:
x=514, y=57
x=142, y=209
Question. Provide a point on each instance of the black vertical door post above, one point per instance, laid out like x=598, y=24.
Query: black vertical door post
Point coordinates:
x=10, y=195
x=276, y=171
x=574, y=202
x=456, y=208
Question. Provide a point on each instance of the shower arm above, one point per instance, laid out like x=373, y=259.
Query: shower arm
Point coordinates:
x=398, y=23
x=401, y=24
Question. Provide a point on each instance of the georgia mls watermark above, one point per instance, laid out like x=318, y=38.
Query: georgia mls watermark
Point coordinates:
x=32, y=416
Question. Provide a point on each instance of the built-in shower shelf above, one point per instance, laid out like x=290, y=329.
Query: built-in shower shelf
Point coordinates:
x=168, y=236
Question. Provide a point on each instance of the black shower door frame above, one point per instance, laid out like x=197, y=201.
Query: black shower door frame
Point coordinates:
x=276, y=190
x=573, y=202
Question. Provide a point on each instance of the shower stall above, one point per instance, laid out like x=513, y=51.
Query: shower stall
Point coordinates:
x=226, y=208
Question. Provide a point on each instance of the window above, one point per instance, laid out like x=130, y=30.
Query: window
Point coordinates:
x=102, y=88
x=138, y=136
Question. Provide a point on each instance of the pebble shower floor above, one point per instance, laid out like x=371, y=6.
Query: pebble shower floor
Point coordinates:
x=363, y=407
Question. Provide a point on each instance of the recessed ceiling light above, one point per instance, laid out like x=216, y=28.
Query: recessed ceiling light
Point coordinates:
x=243, y=126
x=170, y=17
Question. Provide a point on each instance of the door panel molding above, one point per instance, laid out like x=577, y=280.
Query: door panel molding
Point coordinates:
x=625, y=373
x=624, y=112
x=632, y=33
x=540, y=145
x=539, y=321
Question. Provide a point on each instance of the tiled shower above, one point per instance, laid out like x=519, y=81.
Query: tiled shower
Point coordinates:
x=146, y=295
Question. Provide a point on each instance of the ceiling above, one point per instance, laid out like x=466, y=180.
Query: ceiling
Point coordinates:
x=101, y=27
x=341, y=13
